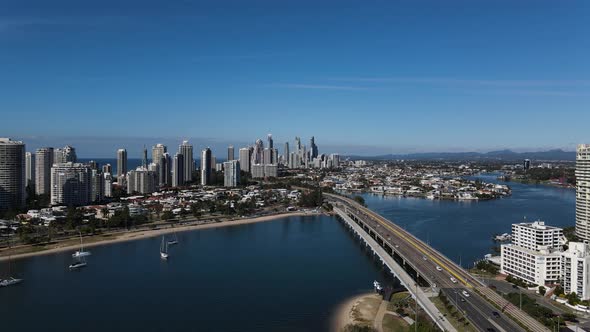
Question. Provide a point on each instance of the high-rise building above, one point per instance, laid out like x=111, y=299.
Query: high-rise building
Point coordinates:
x=231, y=173
x=108, y=184
x=97, y=184
x=575, y=269
x=141, y=180
x=144, y=160
x=93, y=164
x=30, y=170
x=187, y=151
x=270, y=142
x=206, y=174
x=70, y=184
x=313, y=149
x=158, y=151
x=64, y=155
x=230, y=153
x=257, y=153
x=178, y=170
x=165, y=170
x=121, y=163
x=43, y=163
x=286, y=153
x=245, y=157
x=267, y=156
x=107, y=168
x=526, y=164
x=583, y=191
x=12, y=174
x=534, y=254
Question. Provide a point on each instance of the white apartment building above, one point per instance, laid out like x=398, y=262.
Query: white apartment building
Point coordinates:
x=534, y=254
x=70, y=184
x=575, y=264
x=583, y=191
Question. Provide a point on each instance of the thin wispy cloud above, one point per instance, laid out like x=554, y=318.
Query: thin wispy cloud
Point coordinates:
x=319, y=86
x=464, y=82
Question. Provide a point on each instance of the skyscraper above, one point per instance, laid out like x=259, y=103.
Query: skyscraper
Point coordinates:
x=231, y=173
x=286, y=153
x=206, y=173
x=267, y=156
x=97, y=185
x=157, y=151
x=70, y=184
x=313, y=149
x=245, y=159
x=107, y=168
x=257, y=153
x=270, y=142
x=144, y=161
x=178, y=170
x=187, y=151
x=43, y=163
x=121, y=163
x=64, y=155
x=12, y=174
x=230, y=153
x=165, y=170
x=583, y=191
x=30, y=170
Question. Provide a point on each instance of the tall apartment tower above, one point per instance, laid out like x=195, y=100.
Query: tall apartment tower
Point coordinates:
x=245, y=159
x=12, y=174
x=286, y=153
x=30, y=170
x=165, y=170
x=121, y=162
x=158, y=151
x=231, y=173
x=178, y=170
x=230, y=153
x=206, y=173
x=187, y=151
x=43, y=163
x=313, y=149
x=71, y=184
x=583, y=191
x=144, y=160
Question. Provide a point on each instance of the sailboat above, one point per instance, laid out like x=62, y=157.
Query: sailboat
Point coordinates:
x=174, y=240
x=79, y=263
x=81, y=252
x=11, y=280
x=164, y=249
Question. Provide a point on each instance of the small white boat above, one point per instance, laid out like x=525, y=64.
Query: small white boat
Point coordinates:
x=164, y=249
x=174, y=240
x=377, y=286
x=10, y=282
x=77, y=265
x=81, y=252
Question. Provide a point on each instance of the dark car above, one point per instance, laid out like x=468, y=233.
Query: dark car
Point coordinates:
x=496, y=314
x=491, y=329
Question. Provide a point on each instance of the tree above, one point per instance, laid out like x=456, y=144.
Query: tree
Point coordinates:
x=360, y=200
x=542, y=290
x=167, y=215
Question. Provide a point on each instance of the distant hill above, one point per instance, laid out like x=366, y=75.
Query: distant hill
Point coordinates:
x=504, y=155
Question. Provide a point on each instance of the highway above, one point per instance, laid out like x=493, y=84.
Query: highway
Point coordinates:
x=438, y=270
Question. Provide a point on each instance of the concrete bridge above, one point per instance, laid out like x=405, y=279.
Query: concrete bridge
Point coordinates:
x=425, y=272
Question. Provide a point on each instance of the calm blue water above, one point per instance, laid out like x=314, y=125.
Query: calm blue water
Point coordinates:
x=463, y=230
x=284, y=275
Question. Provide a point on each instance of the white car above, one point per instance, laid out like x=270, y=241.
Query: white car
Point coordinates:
x=438, y=268
x=454, y=280
x=465, y=293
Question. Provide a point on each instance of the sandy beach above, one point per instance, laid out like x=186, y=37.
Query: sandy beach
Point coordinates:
x=142, y=234
x=343, y=314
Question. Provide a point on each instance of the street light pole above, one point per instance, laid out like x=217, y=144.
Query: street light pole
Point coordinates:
x=416, y=322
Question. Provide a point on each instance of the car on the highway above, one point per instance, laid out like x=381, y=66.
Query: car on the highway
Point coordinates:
x=424, y=257
x=496, y=314
x=465, y=293
x=438, y=268
x=454, y=280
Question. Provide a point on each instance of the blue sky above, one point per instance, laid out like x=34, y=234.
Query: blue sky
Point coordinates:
x=364, y=77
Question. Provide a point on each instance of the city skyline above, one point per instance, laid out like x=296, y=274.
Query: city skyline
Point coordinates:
x=399, y=75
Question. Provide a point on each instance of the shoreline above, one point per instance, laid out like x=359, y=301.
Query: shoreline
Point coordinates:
x=142, y=234
x=342, y=315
